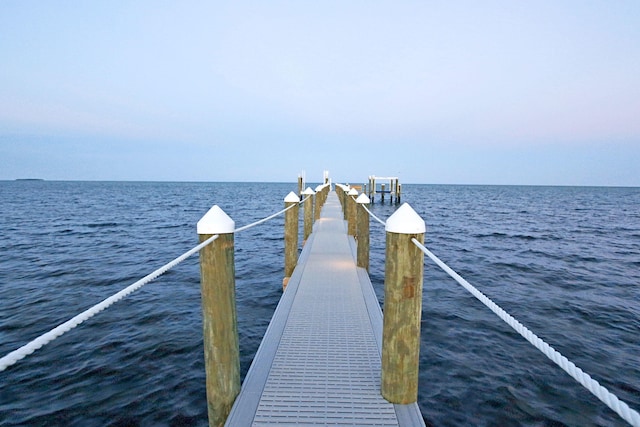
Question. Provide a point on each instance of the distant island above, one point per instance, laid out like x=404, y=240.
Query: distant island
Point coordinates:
x=29, y=179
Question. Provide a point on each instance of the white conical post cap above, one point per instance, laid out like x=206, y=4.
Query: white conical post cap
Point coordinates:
x=353, y=192
x=215, y=221
x=308, y=191
x=320, y=188
x=405, y=221
x=363, y=199
x=292, y=198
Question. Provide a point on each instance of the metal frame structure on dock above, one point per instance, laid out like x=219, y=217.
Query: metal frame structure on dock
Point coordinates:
x=395, y=188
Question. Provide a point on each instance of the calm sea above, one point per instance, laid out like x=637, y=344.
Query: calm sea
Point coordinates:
x=565, y=261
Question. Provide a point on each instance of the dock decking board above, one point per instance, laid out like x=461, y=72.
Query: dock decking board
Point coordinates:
x=319, y=361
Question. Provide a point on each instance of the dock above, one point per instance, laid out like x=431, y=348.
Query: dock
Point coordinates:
x=328, y=357
x=320, y=360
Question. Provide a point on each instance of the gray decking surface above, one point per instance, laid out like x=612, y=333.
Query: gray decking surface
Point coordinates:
x=319, y=361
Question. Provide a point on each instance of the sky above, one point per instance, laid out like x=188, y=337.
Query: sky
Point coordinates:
x=452, y=92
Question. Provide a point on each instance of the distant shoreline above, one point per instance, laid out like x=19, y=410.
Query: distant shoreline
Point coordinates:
x=29, y=179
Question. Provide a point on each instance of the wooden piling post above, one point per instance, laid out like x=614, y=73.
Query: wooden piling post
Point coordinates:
x=318, y=202
x=362, y=232
x=402, y=306
x=219, y=318
x=373, y=189
x=290, y=236
x=340, y=193
x=394, y=191
x=391, y=190
x=382, y=193
x=308, y=213
x=351, y=211
x=300, y=185
x=320, y=191
x=345, y=212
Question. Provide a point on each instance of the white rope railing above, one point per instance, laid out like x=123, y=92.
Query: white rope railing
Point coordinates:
x=372, y=215
x=44, y=339
x=618, y=406
x=253, y=224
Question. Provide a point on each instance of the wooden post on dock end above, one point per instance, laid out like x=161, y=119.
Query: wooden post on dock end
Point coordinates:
x=219, y=318
x=300, y=185
x=351, y=211
x=373, y=189
x=402, y=306
x=308, y=213
x=290, y=237
x=362, y=231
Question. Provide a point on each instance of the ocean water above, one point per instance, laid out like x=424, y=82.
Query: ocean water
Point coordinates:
x=565, y=261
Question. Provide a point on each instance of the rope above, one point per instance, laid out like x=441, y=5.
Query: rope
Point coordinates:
x=253, y=224
x=246, y=227
x=611, y=400
x=46, y=338
x=373, y=216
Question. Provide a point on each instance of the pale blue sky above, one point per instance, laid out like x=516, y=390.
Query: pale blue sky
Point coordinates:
x=479, y=92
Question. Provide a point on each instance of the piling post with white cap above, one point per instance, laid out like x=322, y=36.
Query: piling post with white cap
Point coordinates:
x=290, y=236
x=402, y=306
x=362, y=231
x=345, y=209
x=350, y=206
x=308, y=213
x=219, y=318
x=317, y=202
x=300, y=185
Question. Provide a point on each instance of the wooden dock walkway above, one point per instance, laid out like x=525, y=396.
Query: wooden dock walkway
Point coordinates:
x=319, y=361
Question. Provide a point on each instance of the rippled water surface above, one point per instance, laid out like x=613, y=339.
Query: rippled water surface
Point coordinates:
x=565, y=261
